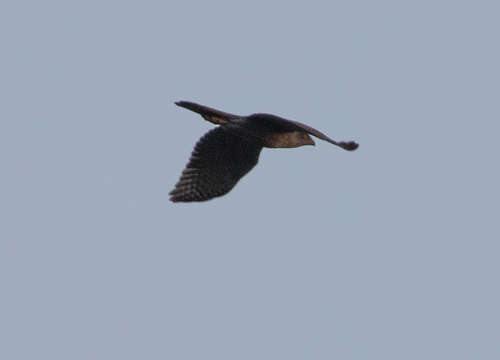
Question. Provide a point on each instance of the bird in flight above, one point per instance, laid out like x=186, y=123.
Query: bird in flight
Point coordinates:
x=228, y=152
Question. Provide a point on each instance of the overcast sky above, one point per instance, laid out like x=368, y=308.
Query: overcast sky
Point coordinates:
x=389, y=252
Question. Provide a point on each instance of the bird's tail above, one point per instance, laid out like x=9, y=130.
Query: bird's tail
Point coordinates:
x=214, y=116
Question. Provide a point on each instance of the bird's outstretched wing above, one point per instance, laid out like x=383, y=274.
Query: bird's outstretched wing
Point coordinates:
x=219, y=160
x=214, y=116
x=281, y=124
x=347, y=145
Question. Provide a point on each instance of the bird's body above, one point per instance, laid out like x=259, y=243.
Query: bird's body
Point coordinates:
x=227, y=153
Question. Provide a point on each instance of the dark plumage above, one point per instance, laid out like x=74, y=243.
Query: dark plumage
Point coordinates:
x=227, y=153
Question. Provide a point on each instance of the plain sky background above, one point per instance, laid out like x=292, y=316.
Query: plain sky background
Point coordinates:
x=390, y=252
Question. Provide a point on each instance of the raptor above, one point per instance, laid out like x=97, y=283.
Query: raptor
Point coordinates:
x=228, y=152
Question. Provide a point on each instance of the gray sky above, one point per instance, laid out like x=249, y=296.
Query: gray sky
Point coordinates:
x=390, y=252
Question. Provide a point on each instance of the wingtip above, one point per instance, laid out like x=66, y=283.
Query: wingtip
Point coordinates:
x=349, y=146
x=190, y=106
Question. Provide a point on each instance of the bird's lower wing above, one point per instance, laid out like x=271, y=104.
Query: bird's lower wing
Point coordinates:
x=219, y=160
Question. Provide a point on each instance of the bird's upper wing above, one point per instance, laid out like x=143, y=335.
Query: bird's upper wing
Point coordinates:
x=347, y=145
x=214, y=116
x=291, y=125
x=219, y=160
